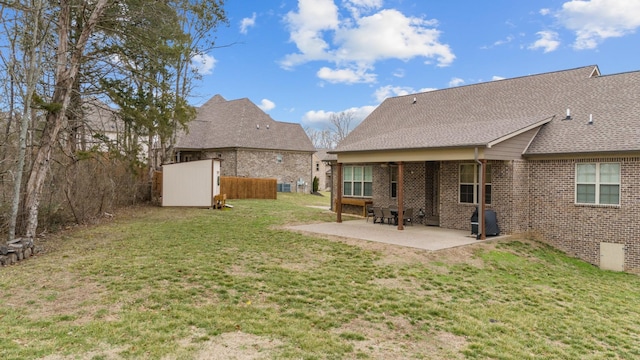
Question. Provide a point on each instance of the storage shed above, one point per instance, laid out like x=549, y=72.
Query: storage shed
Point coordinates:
x=193, y=183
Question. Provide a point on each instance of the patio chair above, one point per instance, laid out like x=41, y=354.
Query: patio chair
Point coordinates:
x=407, y=217
x=377, y=215
x=388, y=216
x=370, y=213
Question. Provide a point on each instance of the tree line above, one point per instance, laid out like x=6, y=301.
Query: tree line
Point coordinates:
x=69, y=68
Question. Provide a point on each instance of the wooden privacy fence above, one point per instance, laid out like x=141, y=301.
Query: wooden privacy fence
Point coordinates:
x=248, y=188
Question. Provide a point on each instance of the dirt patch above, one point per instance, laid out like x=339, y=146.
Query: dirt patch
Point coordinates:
x=67, y=296
x=396, y=339
x=238, y=346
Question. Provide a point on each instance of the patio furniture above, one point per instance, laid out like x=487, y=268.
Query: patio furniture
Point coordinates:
x=407, y=217
x=370, y=212
x=377, y=215
x=388, y=216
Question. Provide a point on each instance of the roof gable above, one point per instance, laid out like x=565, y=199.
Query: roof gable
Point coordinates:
x=241, y=124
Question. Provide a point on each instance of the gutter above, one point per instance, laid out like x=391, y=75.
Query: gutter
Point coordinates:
x=481, y=225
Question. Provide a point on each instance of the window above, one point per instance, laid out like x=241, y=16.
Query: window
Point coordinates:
x=358, y=181
x=317, y=166
x=469, y=188
x=598, y=183
x=393, y=175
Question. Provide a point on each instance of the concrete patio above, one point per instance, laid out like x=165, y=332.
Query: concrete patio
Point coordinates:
x=416, y=236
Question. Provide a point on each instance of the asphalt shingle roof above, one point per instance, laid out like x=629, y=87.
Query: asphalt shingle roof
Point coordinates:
x=241, y=124
x=476, y=115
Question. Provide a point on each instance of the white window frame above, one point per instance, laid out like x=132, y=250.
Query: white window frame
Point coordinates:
x=349, y=176
x=597, y=183
x=393, y=182
x=475, y=184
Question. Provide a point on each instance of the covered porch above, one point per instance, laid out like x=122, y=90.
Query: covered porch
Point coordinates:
x=427, y=181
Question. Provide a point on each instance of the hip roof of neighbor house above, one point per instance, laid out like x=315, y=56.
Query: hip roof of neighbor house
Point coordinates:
x=485, y=113
x=241, y=124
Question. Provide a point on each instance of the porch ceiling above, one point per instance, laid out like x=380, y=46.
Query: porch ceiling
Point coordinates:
x=408, y=155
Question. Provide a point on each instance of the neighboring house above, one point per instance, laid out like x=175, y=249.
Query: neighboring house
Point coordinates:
x=321, y=169
x=249, y=143
x=560, y=152
x=99, y=127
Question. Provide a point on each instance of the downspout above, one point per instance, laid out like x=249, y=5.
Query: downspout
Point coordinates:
x=400, y=195
x=333, y=187
x=339, y=195
x=481, y=225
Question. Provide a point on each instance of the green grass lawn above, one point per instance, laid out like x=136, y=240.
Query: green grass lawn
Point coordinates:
x=168, y=283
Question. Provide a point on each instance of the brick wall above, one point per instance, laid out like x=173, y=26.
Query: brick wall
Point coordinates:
x=414, y=186
x=579, y=229
x=506, y=202
x=228, y=163
x=266, y=164
x=323, y=177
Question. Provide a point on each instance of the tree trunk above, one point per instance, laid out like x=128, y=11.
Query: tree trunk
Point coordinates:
x=66, y=72
x=32, y=71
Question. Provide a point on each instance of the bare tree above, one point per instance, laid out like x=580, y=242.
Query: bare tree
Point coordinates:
x=321, y=139
x=338, y=128
x=68, y=57
x=32, y=54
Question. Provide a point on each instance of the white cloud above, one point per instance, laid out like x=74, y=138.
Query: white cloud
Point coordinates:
x=246, y=23
x=399, y=73
x=421, y=90
x=548, y=41
x=495, y=78
x=456, y=82
x=266, y=105
x=349, y=76
x=321, y=119
x=357, y=7
x=389, y=91
x=306, y=27
x=594, y=21
x=384, y=92
x=203, y=64
x=507, y=40
x=545, y=11
x=321, y=33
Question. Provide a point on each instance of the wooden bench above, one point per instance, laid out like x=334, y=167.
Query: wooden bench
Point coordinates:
x=356, y=202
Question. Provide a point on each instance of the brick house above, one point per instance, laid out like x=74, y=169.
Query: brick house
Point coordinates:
x=249, y=143
x=560, y=153
x=321, y=168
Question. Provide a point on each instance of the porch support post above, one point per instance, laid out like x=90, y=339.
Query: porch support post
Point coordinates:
x=483, y=205
x=400, y=195
x=339, y=195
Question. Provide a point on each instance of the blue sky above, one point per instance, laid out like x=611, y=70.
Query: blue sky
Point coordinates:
x=302, y=60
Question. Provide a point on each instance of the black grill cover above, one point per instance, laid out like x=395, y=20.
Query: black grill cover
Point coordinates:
x=490, y=223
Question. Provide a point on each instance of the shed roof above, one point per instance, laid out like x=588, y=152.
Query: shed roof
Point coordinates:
x=485, y=113
x=241, y=124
